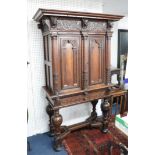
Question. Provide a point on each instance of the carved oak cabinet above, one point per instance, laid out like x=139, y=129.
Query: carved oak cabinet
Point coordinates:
x=77, y=65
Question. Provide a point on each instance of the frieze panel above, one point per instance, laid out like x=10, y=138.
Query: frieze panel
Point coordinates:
x=96, y=26
x=69, y=25
x=81, y=25
x=65, y=24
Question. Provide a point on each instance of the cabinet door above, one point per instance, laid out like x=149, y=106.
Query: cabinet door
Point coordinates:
x=70, y=60
x=96, y=60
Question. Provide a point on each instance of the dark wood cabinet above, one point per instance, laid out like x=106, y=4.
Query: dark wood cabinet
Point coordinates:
x=77, y=65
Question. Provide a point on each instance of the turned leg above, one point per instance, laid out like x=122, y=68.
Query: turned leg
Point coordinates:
x=50, y=113
x=105, y=107
x=57, y=121
x=93, y=115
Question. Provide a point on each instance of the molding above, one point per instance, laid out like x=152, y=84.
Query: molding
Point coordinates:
x=73, y=14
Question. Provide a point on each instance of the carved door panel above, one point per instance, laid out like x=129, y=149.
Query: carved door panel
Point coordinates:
x=96, y=60
x=70, y=63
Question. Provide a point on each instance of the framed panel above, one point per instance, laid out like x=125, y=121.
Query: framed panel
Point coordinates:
x=70, y=59
x=96, y=60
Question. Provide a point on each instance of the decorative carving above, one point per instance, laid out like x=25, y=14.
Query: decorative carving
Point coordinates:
x=96, y=26
x=84, y=23
x=57, y=121
x=109, y=25
x=66, y=24
x=46, y=24
x=99, y=42
x=53, y=22
x=73, y=42
x=105, y=107
x=50, y=113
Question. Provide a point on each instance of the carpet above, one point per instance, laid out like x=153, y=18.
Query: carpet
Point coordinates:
x=41, y=144
x=94, y=142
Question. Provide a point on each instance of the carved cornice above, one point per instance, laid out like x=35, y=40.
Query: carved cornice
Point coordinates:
x=74, y=14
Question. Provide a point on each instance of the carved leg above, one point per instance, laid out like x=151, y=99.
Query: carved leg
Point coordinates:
x=57, y=120
x=50, y=113
x=105, y=107
x=93, y=115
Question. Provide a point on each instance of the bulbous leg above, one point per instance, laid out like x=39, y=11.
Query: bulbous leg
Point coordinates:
x=105, y=107
x=57, y=121
x=50, y=113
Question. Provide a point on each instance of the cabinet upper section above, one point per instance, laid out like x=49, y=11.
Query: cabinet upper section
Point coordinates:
x=59, y=20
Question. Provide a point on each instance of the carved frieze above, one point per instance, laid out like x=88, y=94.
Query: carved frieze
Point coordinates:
x=79, y=25
x=96, y=26
x=65, y=24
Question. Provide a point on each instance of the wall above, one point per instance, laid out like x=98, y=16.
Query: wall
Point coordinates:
x=121, y=24
x=38, y=119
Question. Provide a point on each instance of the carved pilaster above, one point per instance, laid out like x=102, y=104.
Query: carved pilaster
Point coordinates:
x=85, y=56
x=108, y=57
x=55, y=58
